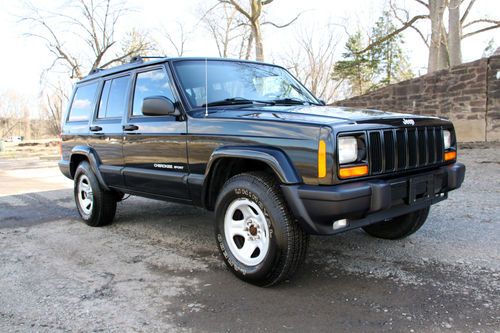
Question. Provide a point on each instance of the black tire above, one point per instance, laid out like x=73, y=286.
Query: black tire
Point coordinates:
x=287, y=242
x=398, y=227
x=103, y=207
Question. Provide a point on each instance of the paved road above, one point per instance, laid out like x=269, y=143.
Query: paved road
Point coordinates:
x=157, y=267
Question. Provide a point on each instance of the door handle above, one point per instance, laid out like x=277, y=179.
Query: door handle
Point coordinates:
x=130, y=127
x=95, y=128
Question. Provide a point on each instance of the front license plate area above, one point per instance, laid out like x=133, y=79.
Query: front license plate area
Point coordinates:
x=420, y=189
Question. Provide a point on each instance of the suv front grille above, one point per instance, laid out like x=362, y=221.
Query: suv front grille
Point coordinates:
x=403, y=149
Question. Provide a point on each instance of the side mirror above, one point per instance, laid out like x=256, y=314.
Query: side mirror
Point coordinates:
x=322, y=102
x=159, y=106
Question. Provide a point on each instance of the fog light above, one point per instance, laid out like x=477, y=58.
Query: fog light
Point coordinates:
x=339, y=224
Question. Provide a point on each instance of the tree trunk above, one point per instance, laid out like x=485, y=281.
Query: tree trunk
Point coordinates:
x=454, y=33
x=444, y=55
x=436, y=11
x=259, y=46
x=249, y=46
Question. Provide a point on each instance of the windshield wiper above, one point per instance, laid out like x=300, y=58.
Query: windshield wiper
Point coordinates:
x=292, y=101
x=236, y=101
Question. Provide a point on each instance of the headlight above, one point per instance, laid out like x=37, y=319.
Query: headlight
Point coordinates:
x=446, y=139
x=348, y=149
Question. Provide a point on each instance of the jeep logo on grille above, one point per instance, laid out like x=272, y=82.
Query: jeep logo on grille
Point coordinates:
x=408, y=122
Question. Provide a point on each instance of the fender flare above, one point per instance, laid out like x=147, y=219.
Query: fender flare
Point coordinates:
x=94, y=162
x=276, y=159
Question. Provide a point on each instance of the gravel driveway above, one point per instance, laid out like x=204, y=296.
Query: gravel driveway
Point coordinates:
x=157, y=267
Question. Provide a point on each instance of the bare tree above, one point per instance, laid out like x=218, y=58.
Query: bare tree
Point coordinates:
x=253, y=14
x=445, y=44
x=177, y=39
x=53, y=107
x=312, y=61
x=13, y=111
x=229, y=32
x=83, y=35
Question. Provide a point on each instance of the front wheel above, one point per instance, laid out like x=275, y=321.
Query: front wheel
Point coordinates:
x=398, y=227
x=258, y=237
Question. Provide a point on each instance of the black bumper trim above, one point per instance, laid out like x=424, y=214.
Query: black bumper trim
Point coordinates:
x=64, y=166
x=366, y=202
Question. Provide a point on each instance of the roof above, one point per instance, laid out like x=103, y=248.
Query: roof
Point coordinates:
x=138, y=62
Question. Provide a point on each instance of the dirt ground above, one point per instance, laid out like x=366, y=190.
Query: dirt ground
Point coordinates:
x=157, y=267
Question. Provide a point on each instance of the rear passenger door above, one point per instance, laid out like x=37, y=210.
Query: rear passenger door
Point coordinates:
x=76, y=126
x=155, y=146
x=106, y=136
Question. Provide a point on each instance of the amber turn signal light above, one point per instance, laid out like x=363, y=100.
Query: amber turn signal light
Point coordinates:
x=450, y=155
x=321, y=159
x=355, y=171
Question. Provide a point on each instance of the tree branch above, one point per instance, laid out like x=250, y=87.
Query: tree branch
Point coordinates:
x=480, y=21
x=279, y=26
x=496, y=26
x=238, y=8
x=423, y=3
x=467, y=11
x=407, y=15
x=394, y=33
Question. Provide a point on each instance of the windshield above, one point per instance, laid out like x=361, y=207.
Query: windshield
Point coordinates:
x=232, y=82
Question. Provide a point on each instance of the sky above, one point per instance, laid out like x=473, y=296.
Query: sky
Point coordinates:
x=23, y=59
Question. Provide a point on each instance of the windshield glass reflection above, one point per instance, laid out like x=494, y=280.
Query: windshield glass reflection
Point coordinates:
x=230, y=82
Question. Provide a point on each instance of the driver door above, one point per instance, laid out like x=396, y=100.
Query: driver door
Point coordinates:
x=154, y=147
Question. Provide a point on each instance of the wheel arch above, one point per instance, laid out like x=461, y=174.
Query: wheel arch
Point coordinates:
x=86, y=153
x=226, y=162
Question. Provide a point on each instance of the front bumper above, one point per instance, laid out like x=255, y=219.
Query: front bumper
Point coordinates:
x=366, y=202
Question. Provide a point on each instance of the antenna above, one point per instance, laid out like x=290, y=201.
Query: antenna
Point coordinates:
x=206, y=87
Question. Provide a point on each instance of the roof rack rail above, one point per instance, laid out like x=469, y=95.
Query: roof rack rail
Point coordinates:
x=95, y=70
x=141, y=58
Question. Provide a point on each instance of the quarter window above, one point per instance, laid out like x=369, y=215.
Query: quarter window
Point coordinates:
x=151, y=83
x=83, y=103
x=113, y=99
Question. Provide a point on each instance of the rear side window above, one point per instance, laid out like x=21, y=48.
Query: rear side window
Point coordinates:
x=113, y=98
x=83, y=103
x=151, y=83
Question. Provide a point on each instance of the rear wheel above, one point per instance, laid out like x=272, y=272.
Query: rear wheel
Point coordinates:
x=258, y=237
x=96, y=206
x=398, y=227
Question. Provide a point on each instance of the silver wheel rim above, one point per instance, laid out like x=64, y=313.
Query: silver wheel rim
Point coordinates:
x=246, y=231
x=85, y=195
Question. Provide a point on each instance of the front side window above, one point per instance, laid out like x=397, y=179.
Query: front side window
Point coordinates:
x=113, y=98
x=83, y=103
x=148, y=84
x=210, y=82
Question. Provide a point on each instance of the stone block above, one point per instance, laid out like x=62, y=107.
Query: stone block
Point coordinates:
x=469, y=130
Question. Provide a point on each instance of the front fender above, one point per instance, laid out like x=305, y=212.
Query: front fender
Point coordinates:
x=276, y=159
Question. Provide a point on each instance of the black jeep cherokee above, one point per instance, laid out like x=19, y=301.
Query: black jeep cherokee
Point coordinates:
x=250, y=142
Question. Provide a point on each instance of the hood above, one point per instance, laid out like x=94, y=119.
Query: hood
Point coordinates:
x=327, y=115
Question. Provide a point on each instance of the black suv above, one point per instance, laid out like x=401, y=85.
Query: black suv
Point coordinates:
x=250, y=142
